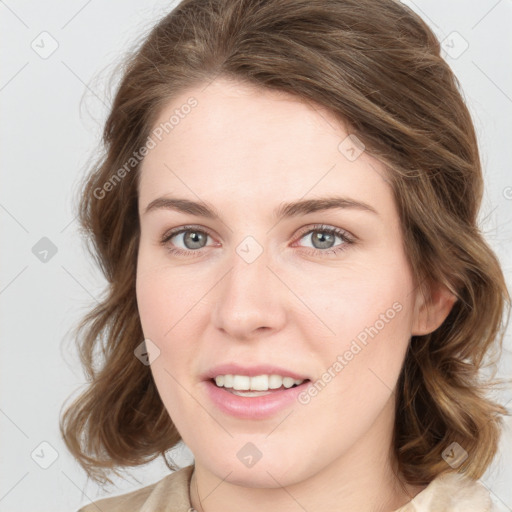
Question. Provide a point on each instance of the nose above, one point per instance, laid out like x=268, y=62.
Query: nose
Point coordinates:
x=251, y=300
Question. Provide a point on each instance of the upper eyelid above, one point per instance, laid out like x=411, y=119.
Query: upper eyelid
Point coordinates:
x=324, y=227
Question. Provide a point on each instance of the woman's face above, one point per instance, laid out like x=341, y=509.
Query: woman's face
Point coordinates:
x=286, y=261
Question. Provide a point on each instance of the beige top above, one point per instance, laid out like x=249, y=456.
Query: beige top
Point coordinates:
x=450, y=492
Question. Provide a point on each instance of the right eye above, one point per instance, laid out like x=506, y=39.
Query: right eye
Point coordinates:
x=191, y=239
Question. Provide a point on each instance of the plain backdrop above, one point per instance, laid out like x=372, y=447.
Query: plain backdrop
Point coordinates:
x=56, y=60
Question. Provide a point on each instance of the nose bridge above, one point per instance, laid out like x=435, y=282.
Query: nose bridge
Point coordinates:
x=250, y=275
x=249, y=297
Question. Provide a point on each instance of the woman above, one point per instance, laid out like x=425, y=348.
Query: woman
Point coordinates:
x=298, y=289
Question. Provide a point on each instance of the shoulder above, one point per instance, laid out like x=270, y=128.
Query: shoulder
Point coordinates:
x=451, y=492
x=169, y=494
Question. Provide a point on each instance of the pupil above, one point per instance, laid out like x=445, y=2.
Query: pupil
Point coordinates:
x=324, y=239
x=194, y=238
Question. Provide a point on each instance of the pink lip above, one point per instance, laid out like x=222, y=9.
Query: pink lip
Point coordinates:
x=253, y=408
x=250, y=371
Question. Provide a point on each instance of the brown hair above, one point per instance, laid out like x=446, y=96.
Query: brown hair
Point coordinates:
x=376, y=65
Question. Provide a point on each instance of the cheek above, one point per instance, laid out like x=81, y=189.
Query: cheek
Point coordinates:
x=349, y=302
x=152, y=301
x=159, y=312
x=170, y=305
x=165, y=296
x=369, y=313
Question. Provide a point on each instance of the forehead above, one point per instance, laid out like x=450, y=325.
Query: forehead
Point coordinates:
x=248, y=141
x=237, y=115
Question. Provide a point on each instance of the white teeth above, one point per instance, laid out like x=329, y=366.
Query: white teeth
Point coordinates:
x=288, y=382
x=275, y=381
x=257, y=383
x=241, y=382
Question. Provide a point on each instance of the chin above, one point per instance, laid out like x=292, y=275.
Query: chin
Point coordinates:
x=268, y=472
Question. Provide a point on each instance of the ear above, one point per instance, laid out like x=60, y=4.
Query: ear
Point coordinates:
x=433, y=304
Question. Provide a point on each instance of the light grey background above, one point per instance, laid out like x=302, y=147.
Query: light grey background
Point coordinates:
x=53, y=108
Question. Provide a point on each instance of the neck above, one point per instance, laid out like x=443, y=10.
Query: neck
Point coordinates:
x=363, y=479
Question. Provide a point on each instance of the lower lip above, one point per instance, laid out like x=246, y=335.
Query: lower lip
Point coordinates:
x=252, y=408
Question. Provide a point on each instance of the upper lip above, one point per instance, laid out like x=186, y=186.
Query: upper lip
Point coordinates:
x=250, y=371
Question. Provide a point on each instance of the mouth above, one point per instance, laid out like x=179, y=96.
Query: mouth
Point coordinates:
x=255, y=397
x=255, y=386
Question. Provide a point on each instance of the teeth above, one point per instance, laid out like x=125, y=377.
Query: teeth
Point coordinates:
x=257, y=383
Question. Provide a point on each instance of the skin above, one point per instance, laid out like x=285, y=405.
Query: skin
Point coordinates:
x=246, y=151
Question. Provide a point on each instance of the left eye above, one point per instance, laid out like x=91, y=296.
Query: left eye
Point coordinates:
x=322, y=238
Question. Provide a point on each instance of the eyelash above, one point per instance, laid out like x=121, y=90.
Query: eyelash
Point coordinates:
x=347, y=239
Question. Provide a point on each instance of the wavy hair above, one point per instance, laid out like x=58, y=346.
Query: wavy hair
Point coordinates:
x=376, y=65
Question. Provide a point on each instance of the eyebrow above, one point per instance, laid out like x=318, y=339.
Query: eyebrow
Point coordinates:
x=285, y=210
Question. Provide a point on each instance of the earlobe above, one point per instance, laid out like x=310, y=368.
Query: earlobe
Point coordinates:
x=433, y=305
